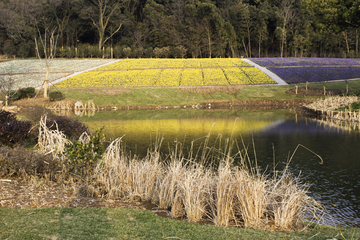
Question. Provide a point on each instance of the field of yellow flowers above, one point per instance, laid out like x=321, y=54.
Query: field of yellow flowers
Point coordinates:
x=170, y=72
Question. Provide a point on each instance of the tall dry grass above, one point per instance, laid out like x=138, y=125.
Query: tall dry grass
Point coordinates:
x=229, y=195
x=51, y=141
x=132, y=179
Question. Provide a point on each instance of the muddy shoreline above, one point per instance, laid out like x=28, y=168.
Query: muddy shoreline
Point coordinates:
x=241, y=105
x=69, y=104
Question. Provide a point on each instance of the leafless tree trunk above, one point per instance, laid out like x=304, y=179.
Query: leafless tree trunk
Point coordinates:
x=62, y=20
x=287, y=14
x=346, y=41
x=208, y=32
x=357, y=43
x=105, y=12
x=49, y=52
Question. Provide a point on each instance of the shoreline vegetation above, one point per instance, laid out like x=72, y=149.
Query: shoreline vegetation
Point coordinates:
x=188, y=190
x=226, y=195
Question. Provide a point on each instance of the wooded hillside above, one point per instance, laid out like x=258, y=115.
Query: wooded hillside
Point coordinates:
x=182, y=28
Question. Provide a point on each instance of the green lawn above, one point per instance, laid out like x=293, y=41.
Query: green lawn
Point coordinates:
x=101, y=223
x=176, y=96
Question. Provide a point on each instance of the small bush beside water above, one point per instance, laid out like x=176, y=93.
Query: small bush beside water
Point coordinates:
x=72, y=128
x=81, y=156
x=13, y=131
x=355, y=106
x=6, y=117
x=22, y=93
x=56, y=96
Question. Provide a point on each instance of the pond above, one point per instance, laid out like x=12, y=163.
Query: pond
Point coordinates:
x=274, y=134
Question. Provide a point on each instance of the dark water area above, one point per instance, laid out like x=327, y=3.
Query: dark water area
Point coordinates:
x=334, y=178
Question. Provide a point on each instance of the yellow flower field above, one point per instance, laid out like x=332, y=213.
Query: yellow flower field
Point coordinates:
x=170, y=73
x=214, y=76
x=191, y=77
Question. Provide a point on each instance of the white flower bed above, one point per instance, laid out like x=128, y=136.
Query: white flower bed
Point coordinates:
x=31, y=73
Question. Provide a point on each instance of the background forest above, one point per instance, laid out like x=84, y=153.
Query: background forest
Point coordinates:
x=182, y=28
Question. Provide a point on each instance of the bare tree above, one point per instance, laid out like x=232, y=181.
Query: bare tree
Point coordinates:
x=287, y=13
x=100, y=13
x=62, y=16
x=7, y=83
x=208, y=33
x=48, y=42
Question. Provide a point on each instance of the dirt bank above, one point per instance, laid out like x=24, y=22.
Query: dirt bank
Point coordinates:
x=243, y=104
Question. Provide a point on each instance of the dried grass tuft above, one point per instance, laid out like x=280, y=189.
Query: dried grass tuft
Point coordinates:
x=230, y=196
x=51, y=141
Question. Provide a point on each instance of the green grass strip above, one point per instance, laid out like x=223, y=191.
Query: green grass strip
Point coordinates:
x=101, y=223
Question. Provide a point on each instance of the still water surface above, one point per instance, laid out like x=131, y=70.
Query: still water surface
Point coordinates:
x=336, y=182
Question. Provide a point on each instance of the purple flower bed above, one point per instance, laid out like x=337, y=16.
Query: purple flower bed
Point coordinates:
x=293, y=75
x=273, y=62
x=288, y=75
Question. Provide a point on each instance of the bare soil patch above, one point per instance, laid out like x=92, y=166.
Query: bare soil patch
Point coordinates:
x=105, y=91
x=315, y=92
x=209, y=90
x=40, y=101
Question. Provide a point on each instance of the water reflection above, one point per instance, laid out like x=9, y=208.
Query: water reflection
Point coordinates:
x=336, y=182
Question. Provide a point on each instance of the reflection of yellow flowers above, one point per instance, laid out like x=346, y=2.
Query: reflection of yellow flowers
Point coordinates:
x=170, y=72
x=177, y=127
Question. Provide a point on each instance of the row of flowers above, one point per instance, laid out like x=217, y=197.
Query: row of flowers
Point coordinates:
x=295, y=75
x=168, y=77
x=273, y=62
x=151, y=63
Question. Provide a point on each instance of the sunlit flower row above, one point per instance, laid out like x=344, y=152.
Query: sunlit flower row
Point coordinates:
x=150, y=63
x=168, y=77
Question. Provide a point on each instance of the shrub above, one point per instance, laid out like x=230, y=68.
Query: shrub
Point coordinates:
x=72, y=128
x=20, y=161
x=127, y=52
x=355, y=106
x=6, y=117
x=14, y=132
x=81, y=157
x=356, y=93
x=34, y=113
x=56, y=96
x=24, y=93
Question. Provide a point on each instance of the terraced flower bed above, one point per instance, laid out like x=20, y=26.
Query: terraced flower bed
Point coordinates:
x=301, y=70
x=170, y=72
x=31, y=73
x=150, y=63
x=276, y=62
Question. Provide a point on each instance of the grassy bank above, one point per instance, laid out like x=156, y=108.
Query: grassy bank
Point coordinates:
x=183, y=96
x=75, y=223
x=177, y=96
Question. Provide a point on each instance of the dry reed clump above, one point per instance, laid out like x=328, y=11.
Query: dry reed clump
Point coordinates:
x=51, y=141
x=332, y=103
x=230, y=196
x=132, y=179
x=290, y=203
